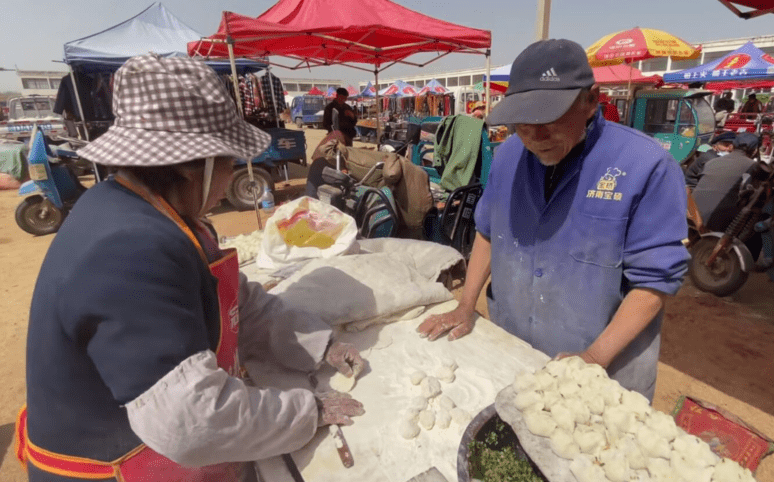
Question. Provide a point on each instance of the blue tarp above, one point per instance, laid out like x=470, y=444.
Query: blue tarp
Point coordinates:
x=155, y=29
x=745, y=63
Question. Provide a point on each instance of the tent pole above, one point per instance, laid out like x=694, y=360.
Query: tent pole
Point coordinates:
x=97, y=177
x=230, y=43
x=273, y=97
x=378, y=107
x=488, y=81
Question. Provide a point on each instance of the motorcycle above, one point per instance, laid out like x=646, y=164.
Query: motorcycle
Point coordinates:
x=52, y=190
x=721, y=262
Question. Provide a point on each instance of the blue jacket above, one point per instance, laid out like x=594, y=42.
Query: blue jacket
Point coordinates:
x=561, y=268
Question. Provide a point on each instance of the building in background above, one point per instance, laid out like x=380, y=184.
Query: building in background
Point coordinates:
x=38, y=82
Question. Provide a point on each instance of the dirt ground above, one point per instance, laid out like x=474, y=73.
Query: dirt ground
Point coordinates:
x=718, y=350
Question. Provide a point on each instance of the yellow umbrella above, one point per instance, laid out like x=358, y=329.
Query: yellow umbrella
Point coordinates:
x=639, y=44
x=636, y=44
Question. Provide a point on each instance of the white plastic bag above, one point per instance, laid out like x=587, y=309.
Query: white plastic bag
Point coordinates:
x=305, y=229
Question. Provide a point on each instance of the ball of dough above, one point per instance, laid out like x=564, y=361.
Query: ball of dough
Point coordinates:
x=662, y=424
x=653, y=444
x=524, y=381
x=417, y=377
x=342, y=383
x=585, y=471
x=590, y=442
x=408, y=429
x=593, y=400
x=556, y=368
x=460, y=416
x=568, y=388
x=522, y=400
x=449, y=363
x=551, y=397
x=427, y=419
x=579, y=410
x=563, y=417
x=615, y=465
x=446, y=403
x=729, y=471
x=419, y=403
x=431, y=387
x=412, y=415
x=636, y=403
x=539, y=423
x=563, y=444
x=443, y=420
x=545, y=381
x=446, y=374
x=694, y=449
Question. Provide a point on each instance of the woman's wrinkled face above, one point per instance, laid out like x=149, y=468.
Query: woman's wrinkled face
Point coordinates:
x=552, y=142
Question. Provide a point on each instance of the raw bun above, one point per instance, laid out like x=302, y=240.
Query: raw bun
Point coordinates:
x=585, y=471
x=446, y=403
x=431, y=387
x=729, y=471
x=450, y=364
x=524, y=381
x=563, y=444
x=408, y=429
x=417, y=377
x=539, y=423
x=443, y=420
x=427, y=419
x=615, y=465
x=653, y=445
x=590, y=442
x=524, y=400
x=412, y=415
x=663, y=424
x=342, y=383
x=563, y=417
x=446, y=374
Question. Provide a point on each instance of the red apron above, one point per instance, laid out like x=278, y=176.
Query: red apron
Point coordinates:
x=142, y=464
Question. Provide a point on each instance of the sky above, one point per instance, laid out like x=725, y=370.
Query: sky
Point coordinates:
x=34, y=34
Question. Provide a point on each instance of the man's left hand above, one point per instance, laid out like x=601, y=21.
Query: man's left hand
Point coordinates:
x=345, y=358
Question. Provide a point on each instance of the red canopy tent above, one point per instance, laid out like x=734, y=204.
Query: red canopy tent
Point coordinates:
x=757, y=7
x=341, y=32
x=315, y=91
x=718, y=87
x=623, y=74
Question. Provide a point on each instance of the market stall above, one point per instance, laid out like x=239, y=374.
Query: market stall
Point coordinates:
x=434, y=100
x=379, y=33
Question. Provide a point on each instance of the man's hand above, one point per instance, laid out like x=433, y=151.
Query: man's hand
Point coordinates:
x=350, y=114
x=345, y=358
x=460, y=321
x=337, y=408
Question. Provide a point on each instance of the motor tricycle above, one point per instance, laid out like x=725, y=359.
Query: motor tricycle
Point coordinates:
x=52, y=190
x=721, y=262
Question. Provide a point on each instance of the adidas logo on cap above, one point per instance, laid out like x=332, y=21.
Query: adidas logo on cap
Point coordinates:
x=550, y=76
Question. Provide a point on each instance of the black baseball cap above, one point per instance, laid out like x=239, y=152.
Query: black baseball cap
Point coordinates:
x=545, y=81
x=724, y=136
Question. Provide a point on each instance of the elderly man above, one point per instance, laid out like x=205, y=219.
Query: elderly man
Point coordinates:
x=721, y=145
x=339, y=109
x=580, y=225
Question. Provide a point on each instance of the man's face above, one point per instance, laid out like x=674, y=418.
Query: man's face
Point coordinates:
x=341, y=99
x=723, y=146
x=552, y=142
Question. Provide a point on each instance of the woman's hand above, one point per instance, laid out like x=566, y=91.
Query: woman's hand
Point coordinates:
x=345, y=358
x=337, y=408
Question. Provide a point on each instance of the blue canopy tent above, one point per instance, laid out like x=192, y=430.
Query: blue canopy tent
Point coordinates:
x=155, y=29
x=368, y=91
x=748, y=62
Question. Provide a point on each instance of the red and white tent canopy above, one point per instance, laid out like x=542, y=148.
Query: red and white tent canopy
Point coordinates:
x=752, y=8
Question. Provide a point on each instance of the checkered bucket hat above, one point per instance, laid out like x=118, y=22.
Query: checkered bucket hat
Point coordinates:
x=169, y=111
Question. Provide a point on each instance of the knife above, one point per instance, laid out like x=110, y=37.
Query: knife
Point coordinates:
x=341, y=446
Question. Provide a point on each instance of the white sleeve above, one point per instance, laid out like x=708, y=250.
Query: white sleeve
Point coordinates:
x=198, y=415
x=295, y=339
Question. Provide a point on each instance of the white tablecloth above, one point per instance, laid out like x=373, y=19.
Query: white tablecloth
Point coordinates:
x=488, y=359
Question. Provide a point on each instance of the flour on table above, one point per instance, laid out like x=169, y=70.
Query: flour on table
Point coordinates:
x=417, y=377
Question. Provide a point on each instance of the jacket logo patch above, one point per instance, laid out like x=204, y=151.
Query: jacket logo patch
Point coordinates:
x=606, y=186
x=233, y=316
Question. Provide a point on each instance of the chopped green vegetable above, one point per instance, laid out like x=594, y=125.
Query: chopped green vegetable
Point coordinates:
x=495, y=459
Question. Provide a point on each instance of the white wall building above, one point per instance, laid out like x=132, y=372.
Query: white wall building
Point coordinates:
x=37, y=82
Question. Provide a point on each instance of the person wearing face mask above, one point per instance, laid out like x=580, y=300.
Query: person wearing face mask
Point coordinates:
x=721, y=145
x=140, y=324
x=580, y=225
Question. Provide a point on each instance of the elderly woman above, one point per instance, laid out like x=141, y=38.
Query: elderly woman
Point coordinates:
x=139, y=321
